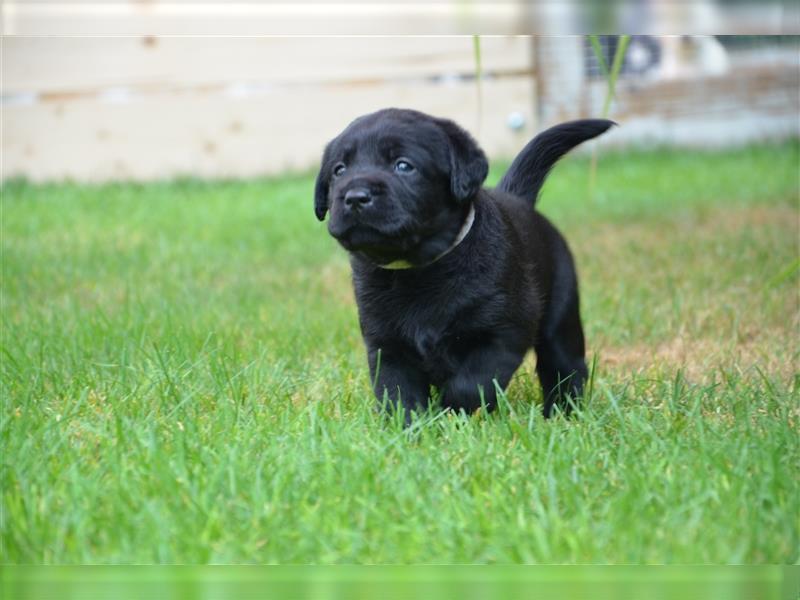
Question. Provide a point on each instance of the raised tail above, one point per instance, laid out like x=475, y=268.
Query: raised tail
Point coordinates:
x=527, y=173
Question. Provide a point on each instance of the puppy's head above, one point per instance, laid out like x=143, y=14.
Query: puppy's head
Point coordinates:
x=398, y=184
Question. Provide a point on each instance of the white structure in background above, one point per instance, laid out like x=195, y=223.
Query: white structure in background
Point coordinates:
x=691, y=56
x=96, y=108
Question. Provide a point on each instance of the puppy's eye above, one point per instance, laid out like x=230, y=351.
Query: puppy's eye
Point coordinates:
x=339, y=170
x=403, y=166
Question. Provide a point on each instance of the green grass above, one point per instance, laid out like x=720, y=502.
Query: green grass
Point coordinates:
x=183, y=381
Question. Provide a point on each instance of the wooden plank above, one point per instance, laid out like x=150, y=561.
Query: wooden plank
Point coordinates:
x=326, y=17
x=80, y=65
x=209, y=135
x=747, y=89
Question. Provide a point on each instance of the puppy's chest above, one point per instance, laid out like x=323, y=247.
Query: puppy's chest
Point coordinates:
x=432, y=318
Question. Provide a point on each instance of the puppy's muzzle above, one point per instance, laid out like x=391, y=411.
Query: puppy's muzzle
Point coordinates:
x=357, y=198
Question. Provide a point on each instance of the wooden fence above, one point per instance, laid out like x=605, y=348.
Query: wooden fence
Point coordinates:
x=98, y=108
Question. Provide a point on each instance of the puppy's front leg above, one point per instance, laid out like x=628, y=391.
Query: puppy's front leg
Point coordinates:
x=397, y=383
x=476, y=376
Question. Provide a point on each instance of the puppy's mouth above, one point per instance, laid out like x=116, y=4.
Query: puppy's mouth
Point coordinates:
x=373, y=244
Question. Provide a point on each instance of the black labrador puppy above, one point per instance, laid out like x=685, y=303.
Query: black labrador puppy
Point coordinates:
x=454, y=282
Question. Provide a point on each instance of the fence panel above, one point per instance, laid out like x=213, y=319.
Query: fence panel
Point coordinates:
x=100, y=108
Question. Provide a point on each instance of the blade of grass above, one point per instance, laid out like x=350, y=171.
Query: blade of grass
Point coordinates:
x=784, y=275
x=611, y=77
x=598, y=52
x=476, y=47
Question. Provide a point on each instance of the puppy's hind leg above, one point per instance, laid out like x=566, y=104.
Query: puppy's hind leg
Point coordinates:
x=560, y=349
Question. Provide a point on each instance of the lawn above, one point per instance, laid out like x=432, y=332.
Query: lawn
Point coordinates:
x=183, y=381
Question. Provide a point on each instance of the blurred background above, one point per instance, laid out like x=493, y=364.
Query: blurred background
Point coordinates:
x=148, y=106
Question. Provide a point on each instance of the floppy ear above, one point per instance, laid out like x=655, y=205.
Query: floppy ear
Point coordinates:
x=468, y=164
x=321, y=203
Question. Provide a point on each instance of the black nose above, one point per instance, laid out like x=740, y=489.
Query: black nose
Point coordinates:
x=357, y=197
